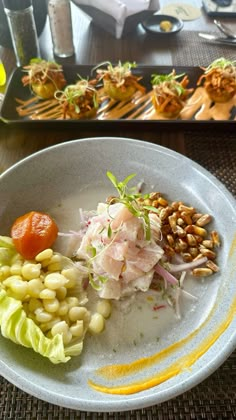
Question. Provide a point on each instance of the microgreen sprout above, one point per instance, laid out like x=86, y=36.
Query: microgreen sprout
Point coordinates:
x=221, y=63
x=170, y=80
x=72, y=93
x=131, y=202
x=118, y=72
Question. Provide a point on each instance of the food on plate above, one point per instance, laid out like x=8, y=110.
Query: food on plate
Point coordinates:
x=220, y=80
x=33, y=232
x=119, y=82
x=44, y=77
x=78, y=101
x=133, y=243
x=166, y=25
x=170, y=95
x=133, y=239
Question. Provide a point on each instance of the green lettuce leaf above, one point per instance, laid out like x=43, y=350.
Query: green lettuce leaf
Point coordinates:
x=7, y=250
x=16, y=326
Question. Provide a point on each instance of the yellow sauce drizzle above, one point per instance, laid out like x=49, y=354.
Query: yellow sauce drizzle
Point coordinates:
x=176, y=368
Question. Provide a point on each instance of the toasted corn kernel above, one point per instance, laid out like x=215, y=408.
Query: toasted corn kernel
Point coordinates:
x=147, y=202
x=208, y=253
x=177, y=248
x=203, y=220
x=210, y=264
x=155, y=204
x=198, y=257
x=170, y=252
x=162, y=201
x=180, y=231
x=164, y=213
x=197, y=230
x=166, y=229
x=186, y=217
x=175, y=205
x=180, y=221
x=193, y=251
x=202, y=272
x=170, y=240
x=196, y=216
x=172, y=221
x=182, y=244
x=215, y=237
x=198, y=238
x=187, y=209
x=208, y=243
x=191, y=239
x=187, y=257
x=154, y=195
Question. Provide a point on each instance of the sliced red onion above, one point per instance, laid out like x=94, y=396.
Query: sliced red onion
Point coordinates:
x=165, y=274
x=174, y=268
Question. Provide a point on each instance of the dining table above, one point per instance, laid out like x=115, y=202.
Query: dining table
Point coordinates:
x=211, y=144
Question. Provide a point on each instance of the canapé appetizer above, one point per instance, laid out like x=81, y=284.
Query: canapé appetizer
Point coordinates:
x=220, y=80
x=119, y=82
x=44, y=78
x=169, y=95
x=78, y=101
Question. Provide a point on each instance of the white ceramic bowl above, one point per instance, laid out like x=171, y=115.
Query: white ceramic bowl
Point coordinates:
x=63, y=178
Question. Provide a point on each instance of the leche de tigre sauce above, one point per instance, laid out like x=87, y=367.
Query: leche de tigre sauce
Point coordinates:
x=199, y=107
x=113, y=372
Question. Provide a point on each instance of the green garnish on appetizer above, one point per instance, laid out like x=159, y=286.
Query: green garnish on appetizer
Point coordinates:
x=220, y=80
x=170, y=95
x=43, y=77
x=119, y=82
x=79, y=101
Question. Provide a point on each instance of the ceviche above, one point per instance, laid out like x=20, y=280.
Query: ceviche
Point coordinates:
x=131, y=243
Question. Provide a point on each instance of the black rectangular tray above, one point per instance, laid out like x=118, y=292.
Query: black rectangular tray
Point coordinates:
x=15, y=89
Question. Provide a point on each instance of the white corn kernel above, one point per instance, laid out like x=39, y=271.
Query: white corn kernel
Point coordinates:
x=48, y=325
x=34, y=304
x=54, y=266
x=77, y=329
x=42, y=316
x=54, y=281
x=31, y=271
x=45, y=262
x=47, y=294
x=63, y=308
x=56, y=258
x=15, y=269
x=104, y=308
x=4, y=272
x=44, y=255
x=59, y=328
x=11, y=279
x=67, y=337
x=51, y=305
x=72, y=275
x=19, y=288
x=61, y=293
x=35, y=286
x=72, y=301
x=77, y=312
x=97, y=324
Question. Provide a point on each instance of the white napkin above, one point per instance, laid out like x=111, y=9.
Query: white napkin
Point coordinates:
x=120, y=9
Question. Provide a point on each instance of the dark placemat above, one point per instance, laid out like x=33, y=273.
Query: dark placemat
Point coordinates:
x=188, y=48
x=215, y=397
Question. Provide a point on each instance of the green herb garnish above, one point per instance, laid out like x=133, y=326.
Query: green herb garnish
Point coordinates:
x=131, y=202
x=170, y=80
